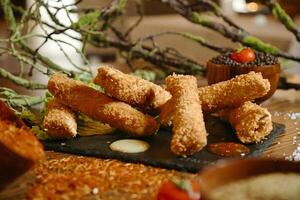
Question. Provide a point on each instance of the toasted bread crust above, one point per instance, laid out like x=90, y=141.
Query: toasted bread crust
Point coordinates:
x=7, y=114
x=19, y=150
x=76, y=177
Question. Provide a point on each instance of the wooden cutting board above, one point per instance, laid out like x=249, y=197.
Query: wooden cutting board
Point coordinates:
x=159, y=154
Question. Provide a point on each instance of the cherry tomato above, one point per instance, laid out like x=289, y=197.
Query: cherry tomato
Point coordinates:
x=244, y=55
x=234, y=56
x=170, y=191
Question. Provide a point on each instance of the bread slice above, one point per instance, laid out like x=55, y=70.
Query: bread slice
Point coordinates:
x=7, y=114
x=79, y=177
x=19, y=148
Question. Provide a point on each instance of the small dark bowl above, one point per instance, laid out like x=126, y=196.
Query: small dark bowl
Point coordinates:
x=225, y=172
x=217, y=73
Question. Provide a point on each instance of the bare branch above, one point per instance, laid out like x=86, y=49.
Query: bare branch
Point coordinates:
x=20, y=81
x=283, y=17
x=229, y=32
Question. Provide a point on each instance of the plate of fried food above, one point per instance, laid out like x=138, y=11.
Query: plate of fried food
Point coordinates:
x=176, y=126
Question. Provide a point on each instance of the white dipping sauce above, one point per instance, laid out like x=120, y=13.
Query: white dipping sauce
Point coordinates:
x=129, y=146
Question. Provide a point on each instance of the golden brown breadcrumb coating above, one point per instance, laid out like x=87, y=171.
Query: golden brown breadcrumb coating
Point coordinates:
x=166, y=113
x=131, y=89
x=19, y=150
x=99, y=106
x=226, y=94
x=60, y=120
x=189, y=134
x=251, y=121
x=233, y=92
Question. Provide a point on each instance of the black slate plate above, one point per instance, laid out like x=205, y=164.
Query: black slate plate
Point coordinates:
x=159, y=154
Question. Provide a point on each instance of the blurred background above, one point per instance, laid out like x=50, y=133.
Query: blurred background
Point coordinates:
x=250, y=15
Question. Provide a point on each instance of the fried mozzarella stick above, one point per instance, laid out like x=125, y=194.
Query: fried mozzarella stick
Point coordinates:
x=251, y=121
x=234, y=92
x=167, y=112
x=99, y=106
x=226, y=94
x=189, y=134
x=60, y=120
x=131, y=89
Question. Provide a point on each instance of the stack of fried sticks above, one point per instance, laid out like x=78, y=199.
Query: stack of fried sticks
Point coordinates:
x=181, y=105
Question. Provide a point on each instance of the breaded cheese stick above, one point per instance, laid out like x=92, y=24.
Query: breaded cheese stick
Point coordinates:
x=99, y=106
x=189, y=134
x=60, y=120
x=131, y=89
x=226, y=94
x=234, y=92
x=166, y=113
x=251, y=121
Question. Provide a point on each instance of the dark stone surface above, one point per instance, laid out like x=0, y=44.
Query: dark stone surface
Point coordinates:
x=159, y=154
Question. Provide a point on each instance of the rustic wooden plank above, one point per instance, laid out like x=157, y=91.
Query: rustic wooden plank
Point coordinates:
x=285, y=112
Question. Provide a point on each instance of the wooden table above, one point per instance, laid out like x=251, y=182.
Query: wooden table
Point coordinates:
x=283, y=111
x=287, y=112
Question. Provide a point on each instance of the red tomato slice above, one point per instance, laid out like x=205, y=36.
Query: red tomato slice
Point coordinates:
x=169, y=191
